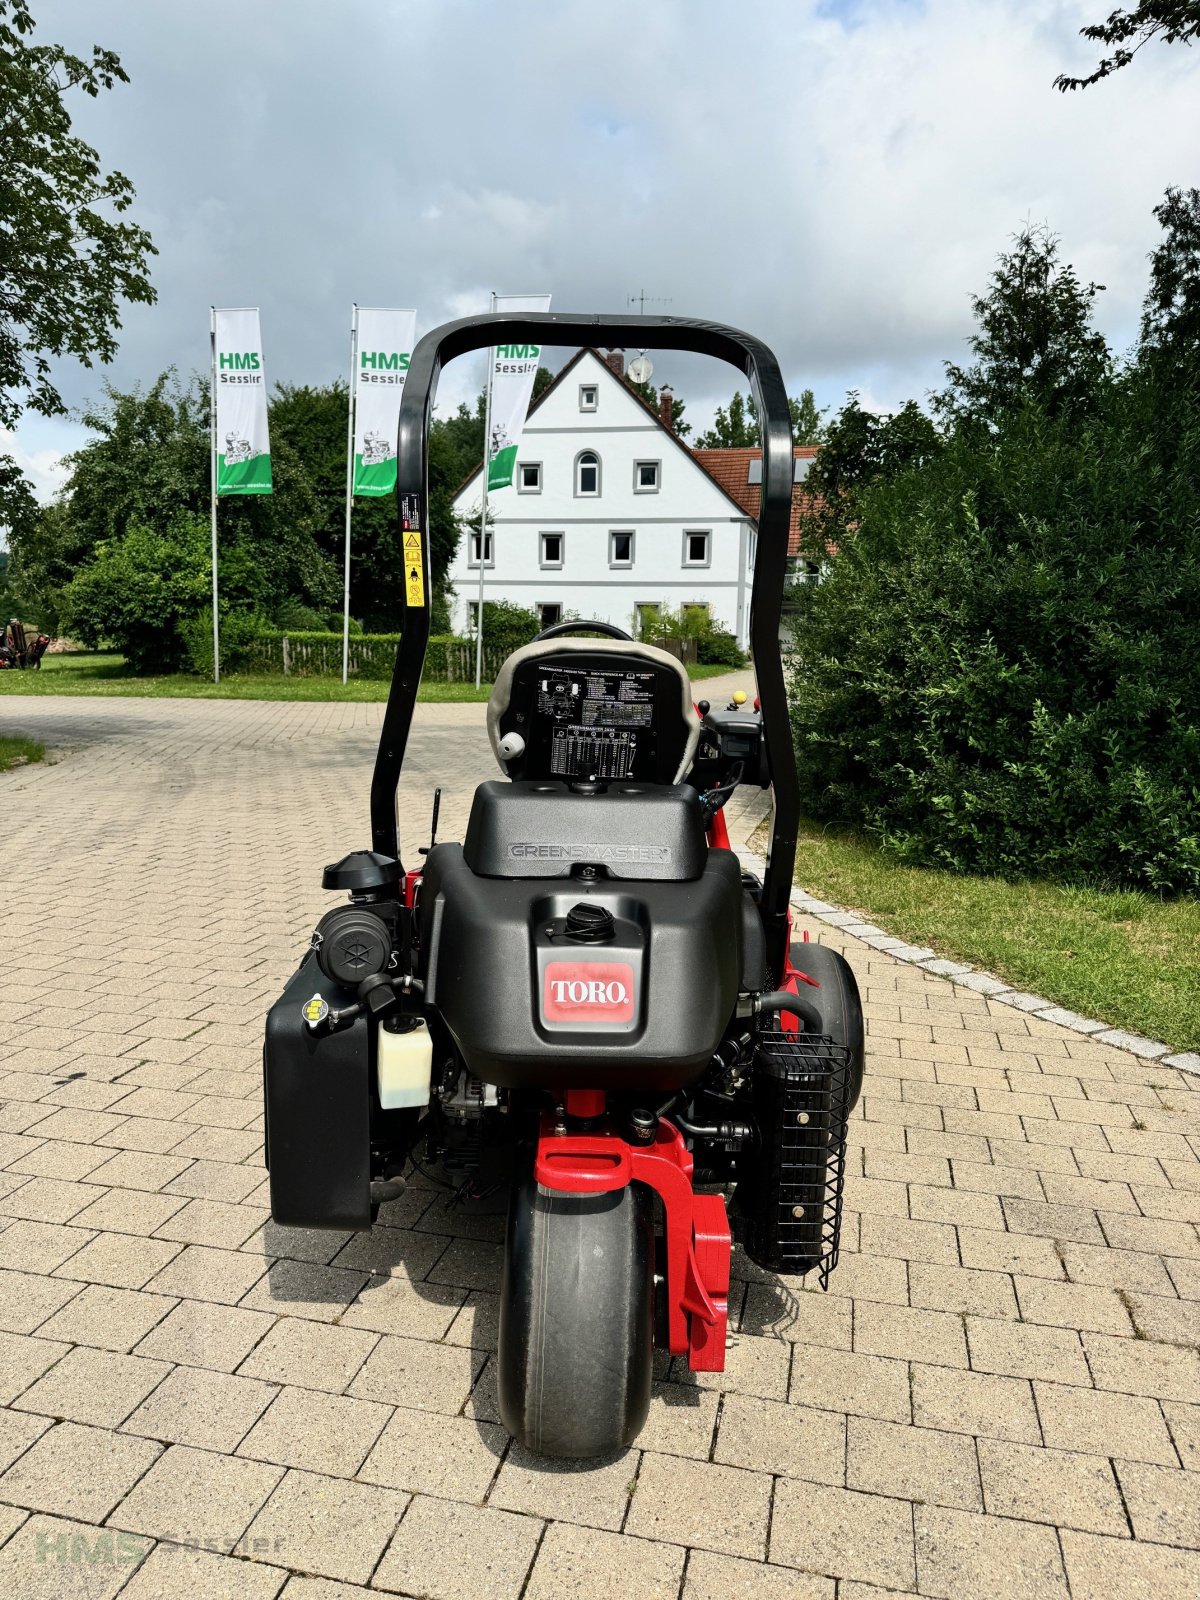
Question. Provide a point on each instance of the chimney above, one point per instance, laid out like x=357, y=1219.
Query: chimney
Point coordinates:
x=615, y=361
x=665, y=398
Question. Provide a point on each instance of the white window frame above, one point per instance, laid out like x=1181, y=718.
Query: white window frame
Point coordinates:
x=522, y=486
x=589, y=397
x=627, y=533
x=541, y=605
x=589, y=494
x=647, y=488
x=697, y=533
x=551, y=533
x=489, y=548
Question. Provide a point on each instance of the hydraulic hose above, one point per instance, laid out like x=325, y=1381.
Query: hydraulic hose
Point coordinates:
x=784, y=1000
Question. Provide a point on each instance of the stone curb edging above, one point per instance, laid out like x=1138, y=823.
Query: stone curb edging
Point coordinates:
x=969, y=977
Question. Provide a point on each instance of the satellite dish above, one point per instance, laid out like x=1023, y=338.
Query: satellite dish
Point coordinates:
x=641, y=370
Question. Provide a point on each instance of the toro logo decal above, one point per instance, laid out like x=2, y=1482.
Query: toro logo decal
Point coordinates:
x=588, y=992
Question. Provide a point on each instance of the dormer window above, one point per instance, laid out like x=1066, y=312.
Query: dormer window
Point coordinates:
x=587, y=473
x=589, y=396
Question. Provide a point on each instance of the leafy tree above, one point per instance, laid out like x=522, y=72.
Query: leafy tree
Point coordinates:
x=1171, y=314
x=67, y=261
x=807, y=426
x=734, y=428
x=861, y=447
x=141, y=590
x=999, y=673
x=738, y=428
x=1172, y=21
x=1035, y=341
x=147, y=467
x=650, y=395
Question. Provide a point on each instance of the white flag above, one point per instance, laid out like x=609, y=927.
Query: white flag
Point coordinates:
x=240, y=397
x=385, y=341
x=514, y=367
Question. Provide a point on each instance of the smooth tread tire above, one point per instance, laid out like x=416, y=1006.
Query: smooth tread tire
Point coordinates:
x=838, y=1004
x=576, y=1342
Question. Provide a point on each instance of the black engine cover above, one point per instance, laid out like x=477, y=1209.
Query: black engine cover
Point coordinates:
x=530, y=1008
x=547, y=830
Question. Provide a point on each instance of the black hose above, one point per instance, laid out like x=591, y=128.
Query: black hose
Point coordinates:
x=785, y=1000
x=718, y=1132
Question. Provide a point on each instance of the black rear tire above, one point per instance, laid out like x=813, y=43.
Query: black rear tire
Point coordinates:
x=576, y=1340
x=837, y=1002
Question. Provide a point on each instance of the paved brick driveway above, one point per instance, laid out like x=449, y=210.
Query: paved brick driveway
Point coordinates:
x=1000, y=1396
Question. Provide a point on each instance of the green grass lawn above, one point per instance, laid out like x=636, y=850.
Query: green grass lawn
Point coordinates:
x=1122, y=956
x=100, y=672
x=19, y=752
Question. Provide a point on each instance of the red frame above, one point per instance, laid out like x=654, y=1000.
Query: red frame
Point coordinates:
x=698, y=1240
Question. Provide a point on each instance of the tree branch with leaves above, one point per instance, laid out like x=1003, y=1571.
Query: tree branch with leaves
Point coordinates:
x=1172, y=21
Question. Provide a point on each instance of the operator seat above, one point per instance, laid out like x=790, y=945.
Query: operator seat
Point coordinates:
x=563, y=705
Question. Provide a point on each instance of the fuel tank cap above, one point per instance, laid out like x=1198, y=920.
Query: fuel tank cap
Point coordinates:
x=588, y=923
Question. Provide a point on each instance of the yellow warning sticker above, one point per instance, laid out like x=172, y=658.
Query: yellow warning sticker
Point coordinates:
x=414, y=568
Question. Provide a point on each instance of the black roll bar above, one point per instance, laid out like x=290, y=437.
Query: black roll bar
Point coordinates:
x=759, y=365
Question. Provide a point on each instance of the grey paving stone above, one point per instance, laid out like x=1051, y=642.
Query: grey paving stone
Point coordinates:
x=75, y=1471
x=329, y=1526
x=444, y=1551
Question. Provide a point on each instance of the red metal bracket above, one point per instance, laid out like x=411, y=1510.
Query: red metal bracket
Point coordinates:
x=697, y=1231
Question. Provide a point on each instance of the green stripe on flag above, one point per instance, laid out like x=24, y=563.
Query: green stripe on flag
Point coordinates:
x=502, y=467
x=375, y=478
x=252, y=476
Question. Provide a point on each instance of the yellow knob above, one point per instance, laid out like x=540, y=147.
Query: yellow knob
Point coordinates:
x=739, y=697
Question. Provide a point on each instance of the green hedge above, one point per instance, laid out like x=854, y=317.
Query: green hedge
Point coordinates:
x=372, y=655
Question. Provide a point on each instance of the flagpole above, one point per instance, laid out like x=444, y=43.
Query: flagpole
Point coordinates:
x=212, y=340
x=349, y=489
x=487, y=452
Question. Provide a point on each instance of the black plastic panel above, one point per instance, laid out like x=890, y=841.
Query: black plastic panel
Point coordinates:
x=545, y=830
x=483, y=944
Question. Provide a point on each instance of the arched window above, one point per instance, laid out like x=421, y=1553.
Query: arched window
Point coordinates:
x=587, y=473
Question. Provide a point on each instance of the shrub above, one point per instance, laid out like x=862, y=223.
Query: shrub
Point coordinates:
x=293, y=614
x=240, y=631
x=506, y=627
x=1000, y=673
x=718, y=648
x=139, y=592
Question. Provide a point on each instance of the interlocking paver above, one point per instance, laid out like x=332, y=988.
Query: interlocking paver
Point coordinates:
x=703, y=1504
x=196, y=1406
x=443, y=1551
x=843, y=1533
x=100, y=1387
x=58, y=1558
x=195, y=1495
x=76, y=1471
x=1018, y=1196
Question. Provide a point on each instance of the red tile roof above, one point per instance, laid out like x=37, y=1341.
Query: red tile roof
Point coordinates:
x=731, y=469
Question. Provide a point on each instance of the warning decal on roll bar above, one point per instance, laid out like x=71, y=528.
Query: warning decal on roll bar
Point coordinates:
x=414, y=568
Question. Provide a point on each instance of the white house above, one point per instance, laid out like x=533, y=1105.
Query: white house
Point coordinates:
x=610, y=517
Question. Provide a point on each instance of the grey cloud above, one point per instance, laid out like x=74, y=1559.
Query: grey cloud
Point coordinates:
x=837, y=179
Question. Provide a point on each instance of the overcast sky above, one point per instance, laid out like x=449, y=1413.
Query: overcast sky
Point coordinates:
x=836, y=176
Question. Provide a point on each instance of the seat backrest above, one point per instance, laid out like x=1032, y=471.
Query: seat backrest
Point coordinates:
x=581, y=708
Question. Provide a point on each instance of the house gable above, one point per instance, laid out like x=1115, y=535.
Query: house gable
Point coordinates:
x=622, y=427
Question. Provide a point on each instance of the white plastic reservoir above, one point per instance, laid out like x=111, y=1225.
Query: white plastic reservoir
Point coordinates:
x=405, y=1063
